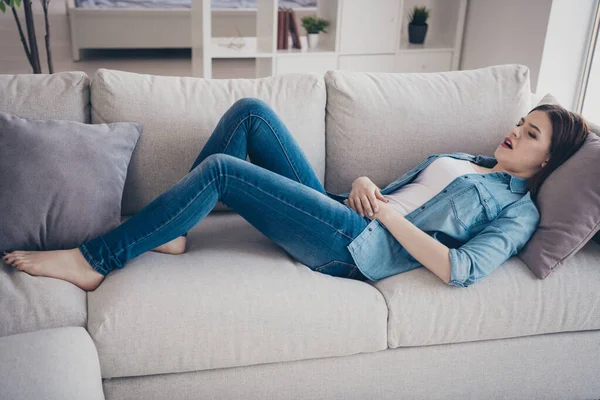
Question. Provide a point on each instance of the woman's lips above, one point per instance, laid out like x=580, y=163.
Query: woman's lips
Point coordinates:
x=505, y=146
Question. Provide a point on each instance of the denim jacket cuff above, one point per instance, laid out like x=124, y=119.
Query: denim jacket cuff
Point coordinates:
x=458, y=269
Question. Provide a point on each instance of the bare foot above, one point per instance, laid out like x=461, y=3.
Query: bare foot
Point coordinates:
x=175, y=246
x=68, y=265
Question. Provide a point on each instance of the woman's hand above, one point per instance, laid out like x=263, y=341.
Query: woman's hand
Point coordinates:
x=364, y=197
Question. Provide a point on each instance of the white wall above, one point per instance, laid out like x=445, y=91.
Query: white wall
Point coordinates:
x=567, y=41
x=506, y=32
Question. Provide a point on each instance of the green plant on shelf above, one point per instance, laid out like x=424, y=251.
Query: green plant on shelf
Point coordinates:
x=418, y=15
x=314, y=25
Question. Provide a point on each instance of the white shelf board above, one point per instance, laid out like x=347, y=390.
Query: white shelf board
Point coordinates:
x=429, y=45
x=219, y=49
x=305, y=52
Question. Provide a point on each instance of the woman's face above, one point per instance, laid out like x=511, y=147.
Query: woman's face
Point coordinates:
x=530, y=138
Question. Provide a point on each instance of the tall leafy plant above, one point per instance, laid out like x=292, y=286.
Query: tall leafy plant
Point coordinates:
x=30, y=42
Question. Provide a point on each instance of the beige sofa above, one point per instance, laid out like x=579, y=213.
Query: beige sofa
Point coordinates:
x=236, y=317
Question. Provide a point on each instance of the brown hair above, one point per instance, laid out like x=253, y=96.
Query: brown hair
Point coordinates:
x=569, y=132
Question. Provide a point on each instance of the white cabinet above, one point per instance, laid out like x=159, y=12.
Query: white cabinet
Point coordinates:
x=369, y=63
x=369, y=27
x=435, y=61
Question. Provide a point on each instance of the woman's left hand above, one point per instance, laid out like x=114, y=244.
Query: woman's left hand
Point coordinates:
x=382, y=208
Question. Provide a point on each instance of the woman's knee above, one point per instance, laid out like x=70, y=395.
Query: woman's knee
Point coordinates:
x=251, y=104
x=217, y=160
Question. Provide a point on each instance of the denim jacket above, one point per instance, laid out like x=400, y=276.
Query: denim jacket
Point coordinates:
x=484, y=219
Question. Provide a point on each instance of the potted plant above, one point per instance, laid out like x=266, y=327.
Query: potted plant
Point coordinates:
x=417, y=28
x=313, y=26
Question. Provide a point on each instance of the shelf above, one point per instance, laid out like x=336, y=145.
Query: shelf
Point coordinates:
x=380, y=44
x=305, y=51
x=429, y=45
x=219, y=48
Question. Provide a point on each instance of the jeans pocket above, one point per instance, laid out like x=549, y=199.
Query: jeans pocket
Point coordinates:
x=337, y=268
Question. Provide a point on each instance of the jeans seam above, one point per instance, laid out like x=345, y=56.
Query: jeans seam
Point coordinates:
x=235, y=131
x=280, y=145
x=274, y=134
x=348, y=264
x=337, y=261
x=324, y=265
x=114, y=258
x=95, y=265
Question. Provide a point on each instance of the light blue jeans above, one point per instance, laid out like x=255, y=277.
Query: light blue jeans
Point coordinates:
x=277, y=192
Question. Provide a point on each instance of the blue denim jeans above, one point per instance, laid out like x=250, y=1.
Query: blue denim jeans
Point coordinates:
x=277, y=192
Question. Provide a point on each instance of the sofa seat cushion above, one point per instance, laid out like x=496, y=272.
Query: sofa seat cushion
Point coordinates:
x=178, y=114
x=234, y=298
x=50, y=364
x=512, y=302
x=30, y=303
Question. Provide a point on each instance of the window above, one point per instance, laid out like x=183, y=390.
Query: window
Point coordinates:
x=589, y=99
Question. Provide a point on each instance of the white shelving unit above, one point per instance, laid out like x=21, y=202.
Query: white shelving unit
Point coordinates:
x=361, y=36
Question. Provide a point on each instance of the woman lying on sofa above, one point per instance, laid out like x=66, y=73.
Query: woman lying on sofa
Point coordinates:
x=458, y=215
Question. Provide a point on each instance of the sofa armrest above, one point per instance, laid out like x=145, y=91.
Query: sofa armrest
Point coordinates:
x=59, y=363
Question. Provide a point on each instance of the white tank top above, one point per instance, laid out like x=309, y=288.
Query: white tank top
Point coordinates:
x=429, y=182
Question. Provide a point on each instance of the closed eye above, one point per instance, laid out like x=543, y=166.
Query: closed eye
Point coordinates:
x=520, y=123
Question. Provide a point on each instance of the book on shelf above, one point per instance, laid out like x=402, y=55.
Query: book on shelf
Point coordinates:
x=286, y=29
x=280, y=16
x=294, y=31
x=287, y=26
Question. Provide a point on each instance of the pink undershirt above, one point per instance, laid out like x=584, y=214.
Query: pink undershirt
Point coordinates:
x=429, y=182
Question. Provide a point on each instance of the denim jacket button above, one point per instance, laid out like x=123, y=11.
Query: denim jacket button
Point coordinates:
x=370, y=229
x=422, y=207
x=445, y=190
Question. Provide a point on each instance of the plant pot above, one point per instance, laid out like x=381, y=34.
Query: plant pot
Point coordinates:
x=313, y=40
x=416, y=33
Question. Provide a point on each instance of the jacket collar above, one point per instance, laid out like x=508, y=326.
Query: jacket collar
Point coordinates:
x=517, y=184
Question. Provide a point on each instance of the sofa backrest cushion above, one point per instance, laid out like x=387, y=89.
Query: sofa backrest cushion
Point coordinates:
x=63, y=95
x=178, y=114
x=381, y=125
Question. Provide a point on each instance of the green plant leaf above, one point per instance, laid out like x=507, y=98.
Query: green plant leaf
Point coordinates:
x=418, y=15
x=314, y=25
x=2, y=6
x=18, y=2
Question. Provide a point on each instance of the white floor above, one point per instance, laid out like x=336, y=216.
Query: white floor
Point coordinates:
x=172, y=62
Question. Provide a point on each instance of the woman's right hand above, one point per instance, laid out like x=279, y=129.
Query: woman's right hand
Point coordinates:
x=363, y=197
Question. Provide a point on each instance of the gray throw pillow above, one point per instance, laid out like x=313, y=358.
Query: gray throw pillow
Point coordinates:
x=569, y=204
x=61, y=182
